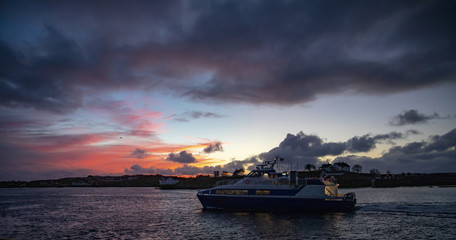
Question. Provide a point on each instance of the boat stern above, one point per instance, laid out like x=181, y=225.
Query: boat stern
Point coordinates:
x=351, y=196
x=350, y=200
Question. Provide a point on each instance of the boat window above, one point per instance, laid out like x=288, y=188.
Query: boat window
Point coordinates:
x=302, y=181
x=262, y=192
x=253, y=174
x=232, y=192
x=283, y=181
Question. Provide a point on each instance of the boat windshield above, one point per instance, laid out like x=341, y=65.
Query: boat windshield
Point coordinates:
x=254, y=174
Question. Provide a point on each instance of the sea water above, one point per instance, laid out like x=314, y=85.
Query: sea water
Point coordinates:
x=149, y=213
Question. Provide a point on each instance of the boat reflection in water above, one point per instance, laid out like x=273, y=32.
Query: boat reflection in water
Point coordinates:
x=264, y=189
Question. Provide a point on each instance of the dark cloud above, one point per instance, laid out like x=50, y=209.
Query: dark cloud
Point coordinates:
x=442, y=143
x=412, y=132
x=411, y=148
x=248, y=163
x=139, y=153
x=435, y=155
x=188, y=170
x=196, y=115
x=410, y=158
x=322, y=47
x=38, y=83
x=213, y=147
x=391, y=135
x=187, y=116
x=367, y=142
x=280, y=52
x=137, y=169
x=412, y=117
x=302, y=148
x=182, y=157
x=361, y=144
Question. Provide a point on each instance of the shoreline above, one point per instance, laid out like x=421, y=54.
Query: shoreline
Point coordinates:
x=347, y=180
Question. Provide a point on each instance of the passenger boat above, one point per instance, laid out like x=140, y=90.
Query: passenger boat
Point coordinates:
x=264, y=189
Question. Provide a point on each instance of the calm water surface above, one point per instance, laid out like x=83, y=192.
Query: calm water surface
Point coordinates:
x=148, y=213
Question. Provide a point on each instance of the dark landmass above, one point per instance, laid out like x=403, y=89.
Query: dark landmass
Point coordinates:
x=198, y=182
x=347, y=180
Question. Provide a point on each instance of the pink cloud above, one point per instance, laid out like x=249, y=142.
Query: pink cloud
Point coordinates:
x=140, y=122
x=51, y=143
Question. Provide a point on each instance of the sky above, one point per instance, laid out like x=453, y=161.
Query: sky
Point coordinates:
x=190, y=87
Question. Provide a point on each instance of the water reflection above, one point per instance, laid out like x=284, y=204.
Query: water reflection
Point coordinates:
x=277, y=225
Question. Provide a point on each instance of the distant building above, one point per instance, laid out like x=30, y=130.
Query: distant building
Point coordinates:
x=327, y=167
x=336, y=167
x=341, y=166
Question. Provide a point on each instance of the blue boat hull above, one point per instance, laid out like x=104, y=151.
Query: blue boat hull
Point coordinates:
x=280, y=204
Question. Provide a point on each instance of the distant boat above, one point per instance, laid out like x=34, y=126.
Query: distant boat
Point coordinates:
x=264, y=189
x=168, y=182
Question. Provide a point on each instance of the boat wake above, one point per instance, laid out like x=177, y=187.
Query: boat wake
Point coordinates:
x=443, y=211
